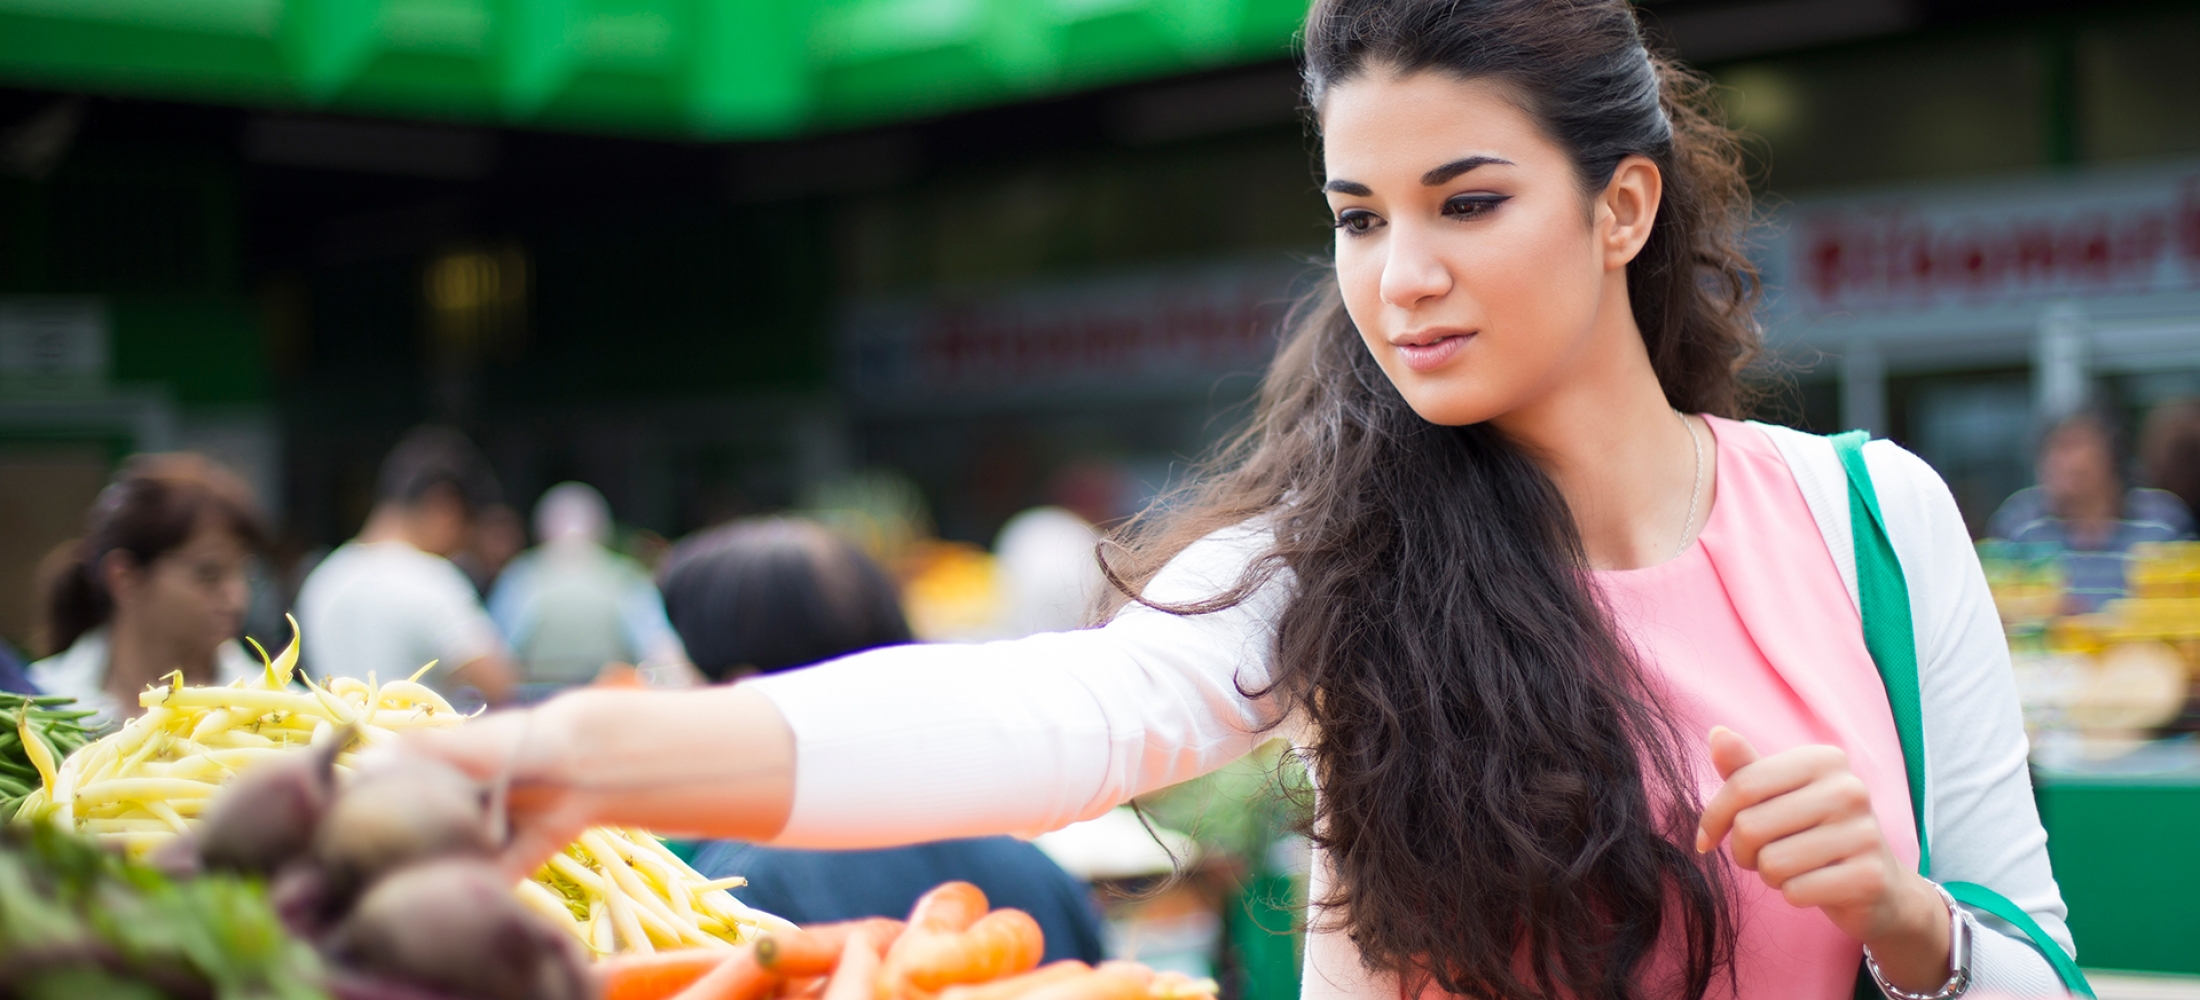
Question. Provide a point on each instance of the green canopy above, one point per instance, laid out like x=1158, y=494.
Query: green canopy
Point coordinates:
x=699, y=68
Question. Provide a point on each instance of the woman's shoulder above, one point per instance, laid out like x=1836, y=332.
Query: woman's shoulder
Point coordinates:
x=1899, y=477
x=1214, y=564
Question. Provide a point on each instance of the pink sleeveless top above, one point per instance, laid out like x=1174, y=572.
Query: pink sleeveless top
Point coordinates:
x=1751, y=628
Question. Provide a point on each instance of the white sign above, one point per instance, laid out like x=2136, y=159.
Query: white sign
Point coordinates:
x=2077, y=236
x=1114, y=337
x=52, y=344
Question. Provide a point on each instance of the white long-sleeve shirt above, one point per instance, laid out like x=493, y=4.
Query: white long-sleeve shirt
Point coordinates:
x=926, y=742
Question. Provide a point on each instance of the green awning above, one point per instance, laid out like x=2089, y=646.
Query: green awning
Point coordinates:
x=699, y=68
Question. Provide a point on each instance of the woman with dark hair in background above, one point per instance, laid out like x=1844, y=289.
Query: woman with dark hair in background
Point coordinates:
x=1549, y=623
x=156, y=585
x=764, y=596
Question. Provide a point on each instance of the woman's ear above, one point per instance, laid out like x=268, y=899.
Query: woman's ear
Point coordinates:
x=1627, y=208
x=121, y=574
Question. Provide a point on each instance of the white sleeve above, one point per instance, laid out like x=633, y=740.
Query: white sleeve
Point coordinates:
x=923, y=742
x=452, y=621
x=1980, y=814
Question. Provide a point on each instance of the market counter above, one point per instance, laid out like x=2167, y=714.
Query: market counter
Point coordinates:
x=2125, y=839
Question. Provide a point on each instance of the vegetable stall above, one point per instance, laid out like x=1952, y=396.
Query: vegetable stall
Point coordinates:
x=233, y=842
x=2108, y=703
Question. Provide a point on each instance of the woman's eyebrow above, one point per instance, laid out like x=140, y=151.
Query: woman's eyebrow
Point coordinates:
x=1456, y=167
x=1353, y=188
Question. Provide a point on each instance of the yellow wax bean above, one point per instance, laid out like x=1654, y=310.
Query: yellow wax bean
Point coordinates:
x=257, y=702
x=118, y=789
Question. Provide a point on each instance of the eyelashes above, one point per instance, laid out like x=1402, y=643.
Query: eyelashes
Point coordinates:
x=1462, y=208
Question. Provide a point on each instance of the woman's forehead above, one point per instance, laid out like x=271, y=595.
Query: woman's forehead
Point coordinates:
x=1390, y=121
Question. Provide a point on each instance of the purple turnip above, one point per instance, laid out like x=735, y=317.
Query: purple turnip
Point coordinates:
x=267, y=817
x=454, y=926
x=396, y=813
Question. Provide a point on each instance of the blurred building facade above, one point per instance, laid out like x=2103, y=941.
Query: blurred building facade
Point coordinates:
x=713, y=256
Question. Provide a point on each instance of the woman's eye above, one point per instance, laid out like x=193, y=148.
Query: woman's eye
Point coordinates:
x=1358, y=221
x=1473, y=206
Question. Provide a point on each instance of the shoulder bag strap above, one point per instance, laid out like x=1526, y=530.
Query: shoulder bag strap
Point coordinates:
x=1883, y=598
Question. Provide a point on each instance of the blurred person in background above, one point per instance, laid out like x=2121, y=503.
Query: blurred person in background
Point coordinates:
x=1050, y=575
x=758, y=597
x=2169, y=451
x=157, y=584
x=569, y=606
x=2082, y=507
x=499, y=536
x=14, y=676
x=390, y=601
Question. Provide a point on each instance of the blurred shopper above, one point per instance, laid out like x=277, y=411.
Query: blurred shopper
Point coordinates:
x=390, y=601
x=569, y=606
x=156, y=585
x=764, y=596
x=2169, y=451
x=1050, y=577
x=498, y=537
x=2082, y=507
x=14, y=677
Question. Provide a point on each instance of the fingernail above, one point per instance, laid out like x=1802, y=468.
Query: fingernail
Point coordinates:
x=1703, y=841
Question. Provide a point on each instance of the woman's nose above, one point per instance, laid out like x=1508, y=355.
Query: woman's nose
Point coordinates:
x=1412, y=273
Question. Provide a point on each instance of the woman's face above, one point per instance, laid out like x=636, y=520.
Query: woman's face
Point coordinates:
x=193, y=596
x=1470, y=259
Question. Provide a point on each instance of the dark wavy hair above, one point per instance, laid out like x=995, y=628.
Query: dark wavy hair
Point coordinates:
x=1507, y=807
x=776, y=593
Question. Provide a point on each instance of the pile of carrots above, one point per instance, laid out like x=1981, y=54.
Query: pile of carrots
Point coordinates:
x=951, y=948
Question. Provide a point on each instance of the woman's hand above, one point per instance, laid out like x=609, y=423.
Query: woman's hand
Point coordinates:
x=709, y=762
x=1803, y=822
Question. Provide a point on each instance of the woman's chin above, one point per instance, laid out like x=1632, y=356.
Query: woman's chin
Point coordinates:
x=1447, y=401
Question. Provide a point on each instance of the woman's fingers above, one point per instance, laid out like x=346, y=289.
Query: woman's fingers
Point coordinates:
x=1851, y=884
x=1825, y=799
x=1760, y=780
x=1730, y=751
x=1783, y=861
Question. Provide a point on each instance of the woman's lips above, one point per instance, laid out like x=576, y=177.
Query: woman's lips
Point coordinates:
x=1432, y=355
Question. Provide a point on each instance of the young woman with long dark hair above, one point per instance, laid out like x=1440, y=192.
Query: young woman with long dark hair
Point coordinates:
x=1496, y=553
x=157, y=584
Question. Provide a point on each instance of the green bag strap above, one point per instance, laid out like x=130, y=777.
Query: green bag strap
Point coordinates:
x=1883, y=599
x=1979, y=897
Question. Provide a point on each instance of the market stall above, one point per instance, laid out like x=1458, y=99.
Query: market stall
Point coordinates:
x=2108, y=703
x=251, y=852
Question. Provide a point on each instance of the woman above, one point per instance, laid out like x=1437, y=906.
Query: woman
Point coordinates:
x=762, y=596
x=156, y=585
x=1494, y=555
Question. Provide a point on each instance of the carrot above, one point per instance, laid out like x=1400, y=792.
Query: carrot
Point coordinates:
x=857, y=971
x=813, y=950
x=656, y=975
x=1016, y=986
x=738, y=977
x=951, y=906
x=1110, y=984
x=1002, y=943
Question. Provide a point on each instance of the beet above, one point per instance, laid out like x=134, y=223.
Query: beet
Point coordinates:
x=399, y=812
x=268, y=816
x=453, y=926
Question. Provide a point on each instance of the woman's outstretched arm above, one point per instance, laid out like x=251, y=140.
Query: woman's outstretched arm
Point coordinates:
x=708, y=762
x=906, y=743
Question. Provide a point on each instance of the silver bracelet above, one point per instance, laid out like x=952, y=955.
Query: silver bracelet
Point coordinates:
x=1959, y=958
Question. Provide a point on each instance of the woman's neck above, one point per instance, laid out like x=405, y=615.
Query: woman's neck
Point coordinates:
x=1627, y=466
x=138, y=656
